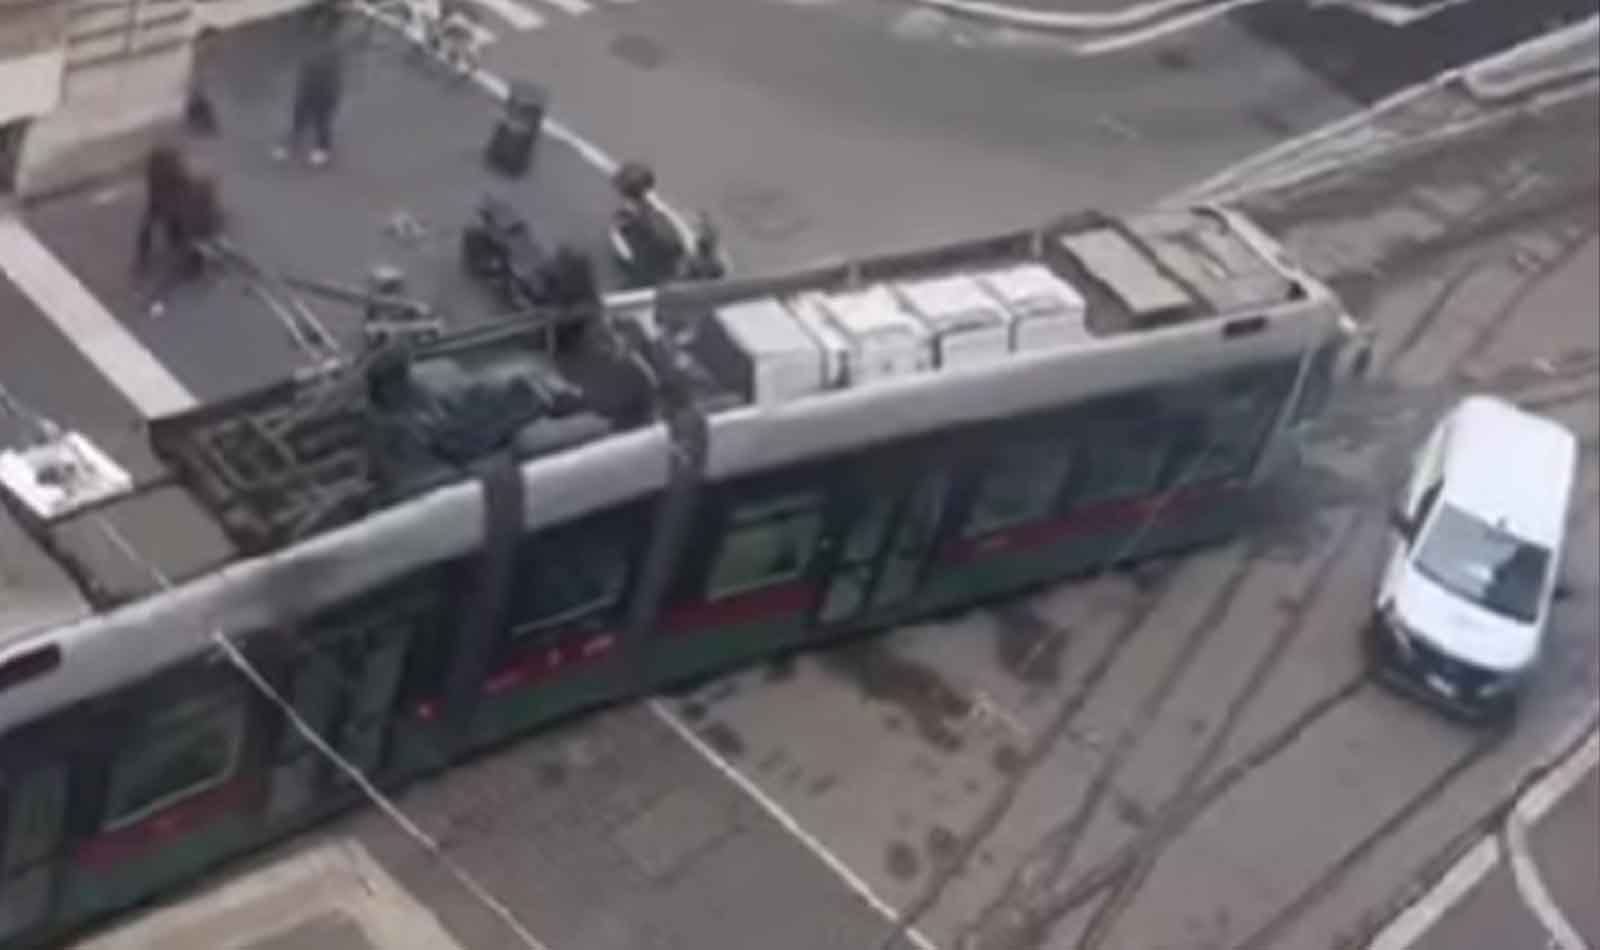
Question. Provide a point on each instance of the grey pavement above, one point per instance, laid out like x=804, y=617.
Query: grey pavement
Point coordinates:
x=815, y=131
x=408, y=141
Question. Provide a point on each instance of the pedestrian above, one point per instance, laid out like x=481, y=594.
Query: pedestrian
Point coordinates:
x=192, y=219
x=318, y=89
x=165, y=176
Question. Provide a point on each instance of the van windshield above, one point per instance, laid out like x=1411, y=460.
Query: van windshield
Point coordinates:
x=1486, y=565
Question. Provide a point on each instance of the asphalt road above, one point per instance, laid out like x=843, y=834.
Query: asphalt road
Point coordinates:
x=813, y=130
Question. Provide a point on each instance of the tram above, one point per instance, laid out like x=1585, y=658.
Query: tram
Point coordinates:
x=456, y=545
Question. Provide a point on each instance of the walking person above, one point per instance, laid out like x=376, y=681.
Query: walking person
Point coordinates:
x=318, y=89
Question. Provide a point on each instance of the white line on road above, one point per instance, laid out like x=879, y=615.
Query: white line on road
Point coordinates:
x=1530, y=885
x=98, y=335
x=1417, y=919
x=1165, y=28
x=570, y=7
x=782, y=817
x=520, y=17
x=1390, y=14
x=1549, y=790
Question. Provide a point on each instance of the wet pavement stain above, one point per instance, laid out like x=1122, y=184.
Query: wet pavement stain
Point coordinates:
x=638, y=51
x=942, y=845
x=724, y=739
x=1131, y=811
x=915, y=690
x=780, y=670
x=901, y=861
x=821, y=786
x=1029, y=648
x=551, y=774
x=1007, y=760
x=764, y=212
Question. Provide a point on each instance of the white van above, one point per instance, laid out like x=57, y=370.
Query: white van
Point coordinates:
x=1464, y=600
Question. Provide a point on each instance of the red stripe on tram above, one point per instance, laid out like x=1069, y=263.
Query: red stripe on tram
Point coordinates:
x=123, y=844
x=740, y=608
x=1096, y=519
x=535, y=664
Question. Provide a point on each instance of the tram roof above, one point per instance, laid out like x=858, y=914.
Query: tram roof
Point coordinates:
x=308, y=465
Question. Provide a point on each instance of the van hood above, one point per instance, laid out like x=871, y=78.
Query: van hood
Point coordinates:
x=1462, y=629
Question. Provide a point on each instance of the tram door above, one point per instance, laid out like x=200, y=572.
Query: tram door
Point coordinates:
x=878, y=547
x=344, y=686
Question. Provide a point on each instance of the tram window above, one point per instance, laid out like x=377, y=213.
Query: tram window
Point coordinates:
x=35, y=806
x=178, y=753
x=1224, y=438
x=766, y=543
x=568, y=575
x=1120, y=465
x=1021, y=483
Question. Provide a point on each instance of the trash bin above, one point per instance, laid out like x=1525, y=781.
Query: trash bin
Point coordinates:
x=511, y=145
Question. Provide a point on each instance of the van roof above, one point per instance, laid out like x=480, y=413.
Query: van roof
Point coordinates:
x=1530, y=501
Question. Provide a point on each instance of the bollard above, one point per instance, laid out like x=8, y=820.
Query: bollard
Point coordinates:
x=510, y=149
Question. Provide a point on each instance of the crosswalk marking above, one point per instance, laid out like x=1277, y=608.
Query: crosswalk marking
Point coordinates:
x=98, y=335
x=520, y=17
x=571, y=7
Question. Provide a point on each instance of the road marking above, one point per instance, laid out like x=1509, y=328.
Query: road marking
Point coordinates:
x=520, y=17
x=98, y=335
x=1165, y=28
x=1390, y=14
x=1530, y=885
x=571, y=7
x=1417, y=919
x=1549, y=790
x=782, y=817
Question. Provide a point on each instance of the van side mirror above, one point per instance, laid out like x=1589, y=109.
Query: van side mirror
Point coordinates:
x=1401, y=523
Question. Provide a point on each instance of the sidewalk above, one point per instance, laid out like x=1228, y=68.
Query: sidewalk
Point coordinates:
x=408, y=172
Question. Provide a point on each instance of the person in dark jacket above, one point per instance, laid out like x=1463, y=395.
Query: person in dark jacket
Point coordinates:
x=318, y=89
x=165, y=177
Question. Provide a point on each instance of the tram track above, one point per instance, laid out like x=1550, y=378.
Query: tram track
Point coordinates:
x=1054, y=854
x=1160, y=837
x=1028, y=762
x=1266, y=936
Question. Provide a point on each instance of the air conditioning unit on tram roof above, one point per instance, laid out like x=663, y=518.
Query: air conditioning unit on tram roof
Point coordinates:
x=763, y=350
x=878, y=338
x=1044, y=310
x=969, y=326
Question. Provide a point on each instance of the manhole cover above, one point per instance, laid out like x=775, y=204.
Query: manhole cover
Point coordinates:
x=764, y=211
x=638, y=51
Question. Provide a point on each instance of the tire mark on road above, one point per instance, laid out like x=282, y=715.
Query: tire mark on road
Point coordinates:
x=1161, y=835
x=1498, y=323
x=1268, y=935
x=1028, y=762
x=1110, y=872
x=1433, y=310
x=1060, y=846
